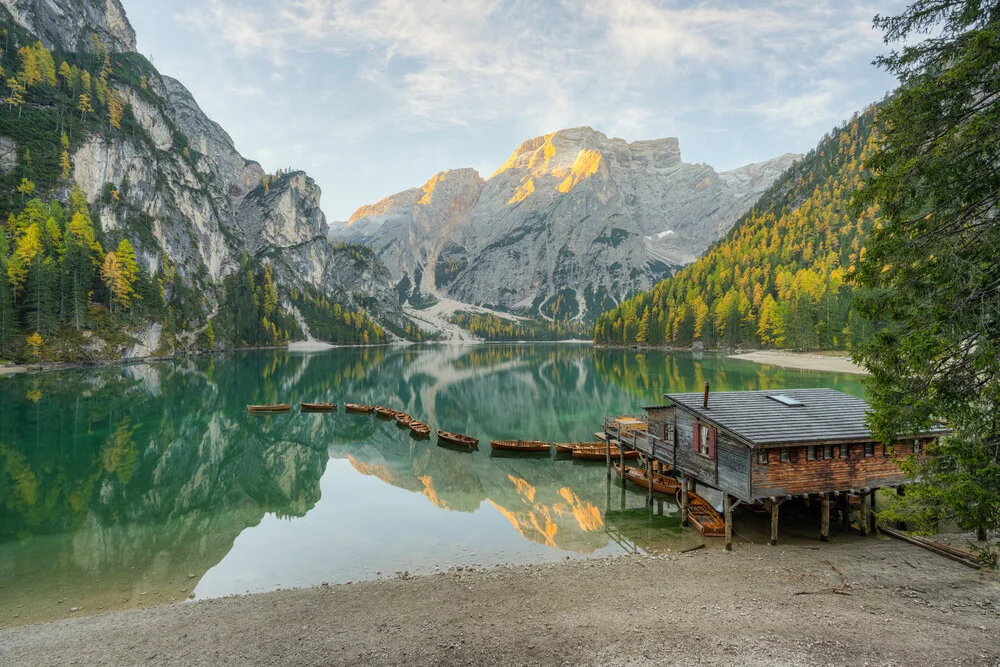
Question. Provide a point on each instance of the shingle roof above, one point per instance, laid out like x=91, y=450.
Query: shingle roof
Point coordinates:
x=825, y=415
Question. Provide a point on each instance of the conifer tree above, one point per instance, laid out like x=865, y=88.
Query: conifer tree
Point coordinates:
x=65, y=166
x=84, y=105
x=16, y=97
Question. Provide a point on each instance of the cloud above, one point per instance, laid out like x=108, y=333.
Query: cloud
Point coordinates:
x=548, y=64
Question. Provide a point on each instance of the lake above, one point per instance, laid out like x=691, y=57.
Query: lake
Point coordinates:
x=135, y=485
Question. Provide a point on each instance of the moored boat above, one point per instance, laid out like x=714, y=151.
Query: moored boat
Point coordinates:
x=359, y=407
x=661, y=483
x=570, y=447
x=403, y=419
x=318, y=407
x=457, y=439
x=601, y=453
x=419, y=428
x=704, y=517
x=525, y=446
x=277, y=407
x=387, y=413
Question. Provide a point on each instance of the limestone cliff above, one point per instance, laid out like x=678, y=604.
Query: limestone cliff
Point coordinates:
x=568, y=226
x=177, y=187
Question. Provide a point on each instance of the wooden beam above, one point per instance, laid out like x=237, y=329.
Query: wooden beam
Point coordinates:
x=871, y=526
x=684, y=501
x=621, y=459
x=774, y=522
x=845, y=511
x=649, y=478
x=824, y=517
x=607, y=450
x=863, y=519
x=728, y=510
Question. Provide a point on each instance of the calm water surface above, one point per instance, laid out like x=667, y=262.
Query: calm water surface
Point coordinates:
x=121, y=487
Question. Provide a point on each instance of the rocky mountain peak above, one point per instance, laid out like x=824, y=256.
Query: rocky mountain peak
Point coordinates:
x=70, y=24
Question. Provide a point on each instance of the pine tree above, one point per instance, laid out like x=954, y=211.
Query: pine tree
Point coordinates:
x=84, y=105
x=26, y=247
x=30, y=74
x=66, y=72
x=8, y=318
x=111, y=276
x=65, y=166
x=85, y=84
x=128, y=271
x=115, y=109
x=16, y=97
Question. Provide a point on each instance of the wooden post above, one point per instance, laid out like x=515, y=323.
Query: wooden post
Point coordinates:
x=871, y=514
x=607, y=450
x=621, y=458
x=728, y=508
x=863, y=516
x=901, y=492
x=824, y=517
x=845, y=511
x=774, y=522
x=649, y=478
x=684, y=501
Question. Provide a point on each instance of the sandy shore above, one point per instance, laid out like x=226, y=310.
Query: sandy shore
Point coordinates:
x=756, y=606
x=803, y=360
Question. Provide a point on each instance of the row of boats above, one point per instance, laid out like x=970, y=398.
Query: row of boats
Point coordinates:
x=701, y=514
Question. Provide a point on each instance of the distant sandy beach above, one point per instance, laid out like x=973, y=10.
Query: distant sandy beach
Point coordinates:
x=803, y=360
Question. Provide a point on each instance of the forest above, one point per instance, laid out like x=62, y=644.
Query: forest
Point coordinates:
x=71, y=291
x=491, y=327
x=779, y=278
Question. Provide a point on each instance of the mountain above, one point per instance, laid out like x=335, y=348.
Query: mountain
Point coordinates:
x=571, y=224
x=208, y=226
x=778, y=278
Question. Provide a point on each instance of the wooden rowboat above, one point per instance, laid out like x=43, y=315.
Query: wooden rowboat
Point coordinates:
x=704, y=517
x=318, y=407
x=279, y=407
x=525, y=446
x=403, y=419
x=359, y=407
x=387, y=413
x=570, y=447
x=601, y=453
x=661, y=483
x=419, y=428
x=458, y=439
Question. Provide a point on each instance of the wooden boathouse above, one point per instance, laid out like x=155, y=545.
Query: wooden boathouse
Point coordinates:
x=764, y=448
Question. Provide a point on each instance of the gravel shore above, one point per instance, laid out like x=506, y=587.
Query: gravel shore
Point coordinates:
x=758, y=605
x=803, y=361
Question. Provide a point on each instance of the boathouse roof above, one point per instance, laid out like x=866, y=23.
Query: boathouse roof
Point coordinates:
x=782, y=416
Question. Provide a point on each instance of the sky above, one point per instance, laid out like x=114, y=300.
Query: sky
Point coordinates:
x=372, y=97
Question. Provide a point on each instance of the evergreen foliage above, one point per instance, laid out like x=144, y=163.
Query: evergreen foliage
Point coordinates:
x=932, y=265
x=334, y=323
x=249, y=314
x=778, y=278
x=494, y=328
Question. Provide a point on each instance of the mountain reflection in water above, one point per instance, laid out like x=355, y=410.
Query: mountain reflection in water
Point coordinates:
x=124, y=486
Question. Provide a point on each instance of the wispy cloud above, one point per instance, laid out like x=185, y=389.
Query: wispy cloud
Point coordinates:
x=455, y=62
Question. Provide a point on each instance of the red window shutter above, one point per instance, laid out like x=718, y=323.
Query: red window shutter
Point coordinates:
x=711, y=443
x=697, y=437
x=663, y=430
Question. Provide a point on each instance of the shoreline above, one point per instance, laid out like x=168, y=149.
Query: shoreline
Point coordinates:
x=765, y=605
x=808, y=361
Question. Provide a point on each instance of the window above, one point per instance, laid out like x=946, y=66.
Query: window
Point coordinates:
x=843, y=451
x=918, y=447
x=786, y=400
x=811, y=453
x=784, y=454
x=704, y=440
x=827, y=452
x=869, y=449
x=762, y=457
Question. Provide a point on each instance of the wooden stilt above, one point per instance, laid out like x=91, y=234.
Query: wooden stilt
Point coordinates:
x=824, y=517
x=607, y=450
x=621, y=459
x=863, y=516
x=684, y=501
x=649, y=478
x=872, y=518
x=774, y=522
x=728, y=510
x=901, y=492
x=845, y=511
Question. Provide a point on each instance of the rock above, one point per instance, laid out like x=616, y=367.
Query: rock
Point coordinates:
x=69, y=24
x=573, y=216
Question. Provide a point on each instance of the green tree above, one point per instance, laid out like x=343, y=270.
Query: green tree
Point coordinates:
x=932, y=267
